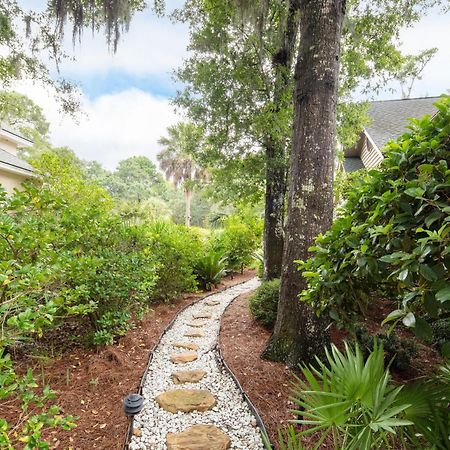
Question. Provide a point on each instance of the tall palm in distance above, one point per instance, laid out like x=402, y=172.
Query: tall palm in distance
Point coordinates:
x=177, y=162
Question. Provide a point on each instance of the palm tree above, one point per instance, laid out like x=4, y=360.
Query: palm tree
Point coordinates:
x=177, y=162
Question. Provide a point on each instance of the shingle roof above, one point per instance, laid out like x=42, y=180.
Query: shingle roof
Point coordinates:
x=14, y=161
x=352, y=163
x=389, y=117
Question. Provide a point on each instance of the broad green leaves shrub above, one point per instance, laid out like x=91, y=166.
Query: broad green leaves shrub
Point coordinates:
x=264, y=302
x=392, y=234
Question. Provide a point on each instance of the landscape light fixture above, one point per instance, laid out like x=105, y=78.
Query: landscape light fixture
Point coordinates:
x=132, y=404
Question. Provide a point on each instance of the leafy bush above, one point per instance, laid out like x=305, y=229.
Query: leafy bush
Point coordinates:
x=238, y=240
x=397, y=352
x=65, y=253
x=351, y=399
x=264, y=302
x=175, y=248
x=210, y=269
x=392, y=234
x=441, y=332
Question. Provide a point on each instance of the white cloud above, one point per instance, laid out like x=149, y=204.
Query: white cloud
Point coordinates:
x=114, y=126
x=431, y=31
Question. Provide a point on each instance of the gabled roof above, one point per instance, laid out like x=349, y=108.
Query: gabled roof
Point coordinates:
x=14, y=162
x=12, y=136
x=389, y=118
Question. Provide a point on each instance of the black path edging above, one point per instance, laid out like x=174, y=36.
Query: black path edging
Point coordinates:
x=168, y=327
x=221, y=360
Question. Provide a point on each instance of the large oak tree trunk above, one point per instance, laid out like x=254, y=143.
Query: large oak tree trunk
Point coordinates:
x=277, y=146
x=298, y=333
x=274, y=211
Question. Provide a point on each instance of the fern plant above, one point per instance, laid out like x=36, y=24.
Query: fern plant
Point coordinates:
x=210, y=269
x=349, y=399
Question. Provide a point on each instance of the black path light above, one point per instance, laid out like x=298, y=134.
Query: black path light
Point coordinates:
x=132, y=404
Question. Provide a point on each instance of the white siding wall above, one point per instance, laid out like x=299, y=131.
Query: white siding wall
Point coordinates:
x=370, y=155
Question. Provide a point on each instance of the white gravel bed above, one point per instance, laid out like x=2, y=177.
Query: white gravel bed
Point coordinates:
x=231, y=413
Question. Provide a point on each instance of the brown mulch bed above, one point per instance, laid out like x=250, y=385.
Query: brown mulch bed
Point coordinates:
x=266, y=383
x=92, y=384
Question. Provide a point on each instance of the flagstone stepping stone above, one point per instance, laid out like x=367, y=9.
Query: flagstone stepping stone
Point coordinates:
x=186, y=345
x=186, y=400
x=188, y=376
x=202, y=316
x=197, y=334
x=212, y=302
x=199, y=437
x=182, y=358
x=198, y=324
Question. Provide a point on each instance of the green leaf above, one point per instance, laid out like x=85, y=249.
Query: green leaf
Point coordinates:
x=415, y=192
x=427, y=272
x=443, y=295
x=445, y=350
x=394, y=315
x=403, y=274
x=423, y=329
x=431, y=305
x=409, y=320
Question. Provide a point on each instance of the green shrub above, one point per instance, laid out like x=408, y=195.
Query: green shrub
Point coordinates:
x=392, y=234
x=264, y=302
x=210, y=269
x=65, y=253
x=441, y=332
x=397, y=352
x=239, y=239
x=175, y=248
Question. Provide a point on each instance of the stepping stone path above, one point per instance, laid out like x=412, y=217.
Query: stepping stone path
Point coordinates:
x=208, y=411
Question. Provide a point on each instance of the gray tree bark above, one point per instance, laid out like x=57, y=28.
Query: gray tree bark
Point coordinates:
x=299, y=334
x=277, y=148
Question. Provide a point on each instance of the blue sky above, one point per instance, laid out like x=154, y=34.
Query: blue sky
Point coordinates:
x=125, y=96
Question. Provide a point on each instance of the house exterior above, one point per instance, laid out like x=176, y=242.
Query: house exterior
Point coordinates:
x=388, y=121
x=13, y=170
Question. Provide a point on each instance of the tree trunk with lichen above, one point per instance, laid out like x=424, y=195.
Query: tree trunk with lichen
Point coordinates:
x=274, y=211
x=299, y=334
x=277, y=147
